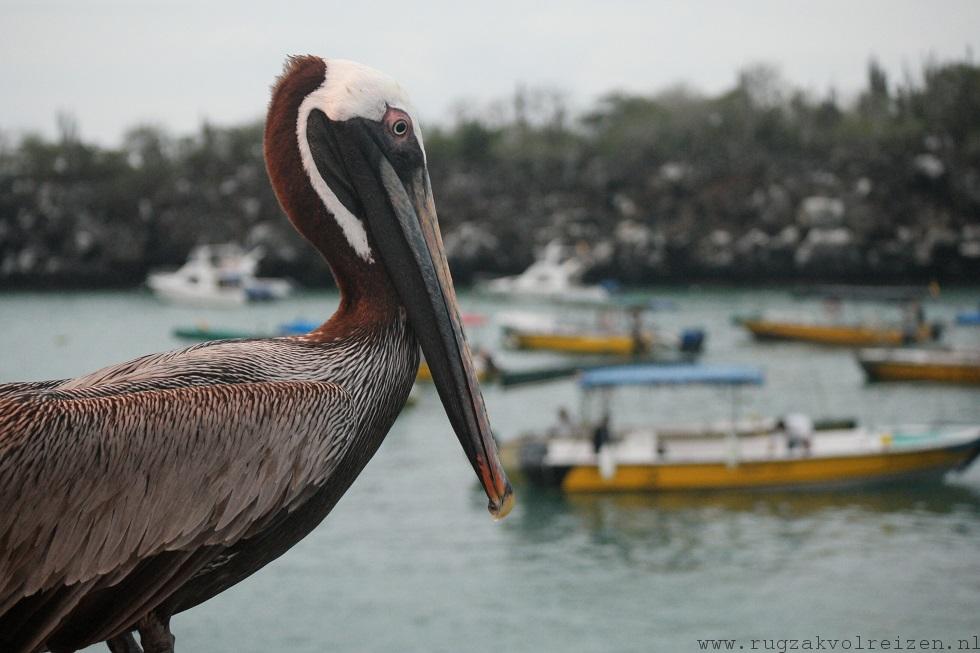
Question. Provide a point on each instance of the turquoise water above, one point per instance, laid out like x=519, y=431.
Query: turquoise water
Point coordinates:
x=411, y=561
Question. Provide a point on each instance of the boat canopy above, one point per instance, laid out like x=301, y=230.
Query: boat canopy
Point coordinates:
x=731, y=375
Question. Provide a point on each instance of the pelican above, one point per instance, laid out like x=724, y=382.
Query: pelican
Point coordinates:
x=143, y=489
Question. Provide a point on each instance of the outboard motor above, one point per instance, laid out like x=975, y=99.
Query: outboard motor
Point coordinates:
x=692, y=340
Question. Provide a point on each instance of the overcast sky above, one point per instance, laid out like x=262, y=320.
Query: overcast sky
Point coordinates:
x=115, y=64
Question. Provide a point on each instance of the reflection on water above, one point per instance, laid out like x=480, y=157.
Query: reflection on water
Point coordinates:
x=938, y=497
x=684, y=531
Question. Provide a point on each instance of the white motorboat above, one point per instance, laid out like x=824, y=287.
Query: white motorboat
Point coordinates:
x=555, y=277
x=218, y=275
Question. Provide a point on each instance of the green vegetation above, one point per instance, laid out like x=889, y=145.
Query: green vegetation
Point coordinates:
x=761, y=183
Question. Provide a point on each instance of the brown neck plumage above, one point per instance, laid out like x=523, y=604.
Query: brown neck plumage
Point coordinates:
x=367, y=295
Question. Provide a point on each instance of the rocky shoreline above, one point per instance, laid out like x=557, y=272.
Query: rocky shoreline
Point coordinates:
x=758, y=185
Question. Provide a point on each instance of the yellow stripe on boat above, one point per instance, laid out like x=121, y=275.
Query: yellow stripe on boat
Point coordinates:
x=623, y=345
x=781, y=473
x=909, y=364
x=834, y=334
x=894, y=371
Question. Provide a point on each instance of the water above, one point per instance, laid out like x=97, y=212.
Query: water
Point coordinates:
x=411, y=561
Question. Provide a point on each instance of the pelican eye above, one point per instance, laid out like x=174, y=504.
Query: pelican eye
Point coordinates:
x=399, y=127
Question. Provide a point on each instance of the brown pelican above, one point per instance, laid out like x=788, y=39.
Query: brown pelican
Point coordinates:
x=145, y=488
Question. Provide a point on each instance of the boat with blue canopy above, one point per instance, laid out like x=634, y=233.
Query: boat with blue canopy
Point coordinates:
x=599, y=454
x=652, y=375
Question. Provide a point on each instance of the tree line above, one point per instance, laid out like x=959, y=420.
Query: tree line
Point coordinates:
x=761, y=183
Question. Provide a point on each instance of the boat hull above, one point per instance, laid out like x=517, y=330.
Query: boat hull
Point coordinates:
x=573, y=343
x=529, y=375
x=618, y=344
x=800, y=472
x=205, y=334
x=839, y=335
x=967, y=374
x=170, y=289
x=939, y=367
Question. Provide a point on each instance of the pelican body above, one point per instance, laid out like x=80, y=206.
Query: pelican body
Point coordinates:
x=145, y=488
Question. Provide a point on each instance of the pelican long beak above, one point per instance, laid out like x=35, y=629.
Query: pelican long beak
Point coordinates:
x=401, y=217
x=430, y=300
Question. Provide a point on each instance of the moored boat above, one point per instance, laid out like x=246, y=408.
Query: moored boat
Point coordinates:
x=847, y=335
x=615, y=331
x=218, y=275
x=509, y=378
x=204, y=332
x=792, y=452
x=603, y=344
x=555, y=277
x=937, y=365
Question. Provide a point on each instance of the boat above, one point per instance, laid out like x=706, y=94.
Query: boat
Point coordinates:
x=511, y=378
x=556, y=277
x=204, y=332
x=298, y=327
x=911, y=328
x=793, y=452
x=689, y=341
x=938, y=365
x=841, y=334
x=488, y=371
x=616, y=331
x=218, y=275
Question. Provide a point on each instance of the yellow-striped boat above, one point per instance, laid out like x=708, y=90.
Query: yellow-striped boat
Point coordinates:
x=846, y=335
x=620, y=330
x=579, y=343
x=752, y=454
x=937, y=365
x=547, y=335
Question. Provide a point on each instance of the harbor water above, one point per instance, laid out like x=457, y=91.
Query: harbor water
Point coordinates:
x=410, y=560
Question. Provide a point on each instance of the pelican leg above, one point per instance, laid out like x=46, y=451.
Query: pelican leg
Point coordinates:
x=155, y=635
x=125, y=643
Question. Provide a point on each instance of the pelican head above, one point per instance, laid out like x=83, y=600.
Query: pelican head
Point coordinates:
x=345, y=154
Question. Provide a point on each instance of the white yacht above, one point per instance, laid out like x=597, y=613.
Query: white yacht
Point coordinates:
x=555, y=277
x=218, y=275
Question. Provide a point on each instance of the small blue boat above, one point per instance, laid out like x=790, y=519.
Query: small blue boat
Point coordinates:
x=297, y=327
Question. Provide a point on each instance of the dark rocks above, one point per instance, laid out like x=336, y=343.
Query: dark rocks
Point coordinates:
x=676, y=187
